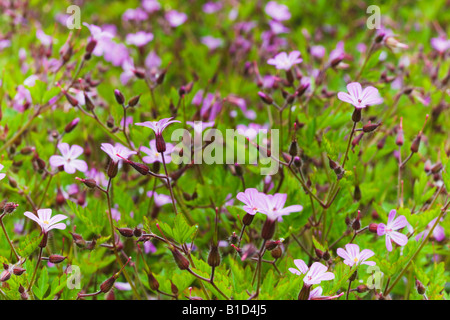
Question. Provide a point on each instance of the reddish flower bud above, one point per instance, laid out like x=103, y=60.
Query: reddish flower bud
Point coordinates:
x=152, y=282
x=373, y=227
x=90, y=183
x=134, y=101
x=71, y=125
x=119, y=97
x=214, y=256
x=420, y=287
x=18, y=271
x=56, y=258
x=265, y=98
x=369, y=127
x=268, y=229
x=180, y=260
x=126, y=232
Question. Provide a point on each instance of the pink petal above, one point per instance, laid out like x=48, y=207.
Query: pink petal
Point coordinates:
x=354, y=89
x=399, y=238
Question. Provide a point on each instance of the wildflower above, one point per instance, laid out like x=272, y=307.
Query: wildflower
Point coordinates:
x=117, y=149
x=252, y=200
x=103, y=38
x=284, y=61
x=69, y=158
x=154, y=156
x=175, y=18
x=352, y=255
x=440, y=44
x=390, y=230
x=134, y=15
x=160, y=199
x=272, y=206
x=316, y=294
x=314, y=275
x=140, y=38
x=360, y=98
x=438, y=232
x=158, y=127
x=211, y=42
x=2, y=175
x=45, y=220
x=150, y=5
x=276, y=11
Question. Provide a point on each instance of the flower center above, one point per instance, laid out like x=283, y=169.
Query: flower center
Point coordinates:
x=356, y=259
x=46, y=222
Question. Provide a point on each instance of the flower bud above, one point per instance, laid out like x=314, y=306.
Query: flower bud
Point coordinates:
x=297, y=162
x=265, y=98
x=293, y=148
x=214, y=256
x=137, y=232
x=126, y=232
x=276, y=253
x=357, y=193
x=180, y=260
x=18, y=271
x=71, y=125
x=420, y=287
x=304, y=293
x=416, y=143
x=10, y=207
x=88, y=102
x=369, y=127
x=319, y=253
x=436, y=168
x=5, y=276
x=72, y=100
x=107, y=285
x=362, y=288
x=91, y=46
x=326, y=256
x=152, y=282
x=373, y=227
x=233, y=239
x=56, y=258
x=90, y=183
x=173, y=288
x=134, y=101
x=23, y=293
x=119, y=97
x=78, y=239
x=271, y=244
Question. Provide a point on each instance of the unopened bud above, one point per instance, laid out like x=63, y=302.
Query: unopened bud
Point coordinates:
x=90, y=183
x=268, y=229
x=276, y=253
x=134, y=101
x=420, y=287
x=369, y=127
x=18, y=271
x=265, y=98
x=119, y=97
x=71, y=125
x=56, y=258
x=326, y=256
x=362, y=288
x=356, y=116
x=180, y=260
x=152, y=282
x=293, y=148
x=416, y=143
x=373, y=227
x=214, y=256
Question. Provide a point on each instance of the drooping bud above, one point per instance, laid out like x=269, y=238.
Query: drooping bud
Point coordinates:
x=56, y=258
x=78, y=239
x=369, y=127
x=126, y=232
x=265, y=98
x=5, y=276
x=356, y=225
x=356, y=116
x=373, y=227
x=416, y=143
x=72, y=100
x=88, y=102
x=18, y=271
x=90, y=183
x=139, y=167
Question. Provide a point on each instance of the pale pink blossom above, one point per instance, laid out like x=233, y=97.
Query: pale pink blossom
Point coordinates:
x=352, y=256
x=175, y=18
x=154, y=156
x=117, y=149
x=45, y=220
x=313, y=275
x=277, y=11
x=284, y=61
x=69, y=158
x=360, y=98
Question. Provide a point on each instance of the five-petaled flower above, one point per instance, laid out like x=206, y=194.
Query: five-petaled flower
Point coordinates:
x=314, y=275
x=117, y=149
x=352, y=255
x=69, y=158
x=284, y=61
x=45, y=221
x=154, y=156
x=158, y=127
x=273, y=206
x=253, y=200
x=360, y=98
x=390, y=230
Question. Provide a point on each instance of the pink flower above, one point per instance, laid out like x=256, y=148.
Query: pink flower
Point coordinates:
x=314, y=275
x=317, y=51
x=352, y=255
x=390, y=230
x=160, y=199
x=438, y=232
x=316, y=294
x=135, y=14
x=273, y=206
x=440, y=44
x=277, y=11
x=45, y=221
x=103, y=38
x=150, y=5
x=157, y=126
x=284, y=61
x=118, y=149
x=69, y=158
x=152, y=61
x=2, y=175
x=211, y=42
x=140, y=38
x=154, y=156
x=360, y=98
x=175, y=18
x=252, y=199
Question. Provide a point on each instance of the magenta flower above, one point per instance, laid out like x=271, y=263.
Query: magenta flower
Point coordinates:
x=103, y=38
x=2, y=175
x=134, y=15
x=276, y=11
x=360, y=98
x=273, y=206
x=175, y=18
x=314, y=275
x=114, y=151
x=211, y=42
x=150, y=5
x=390, y=230
x=160, y=199
x=139, y=39
x=252, y=199
x=352, y=256
x=45, y=220
x=154, y=156
x=284, y=61
x=69, y=158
